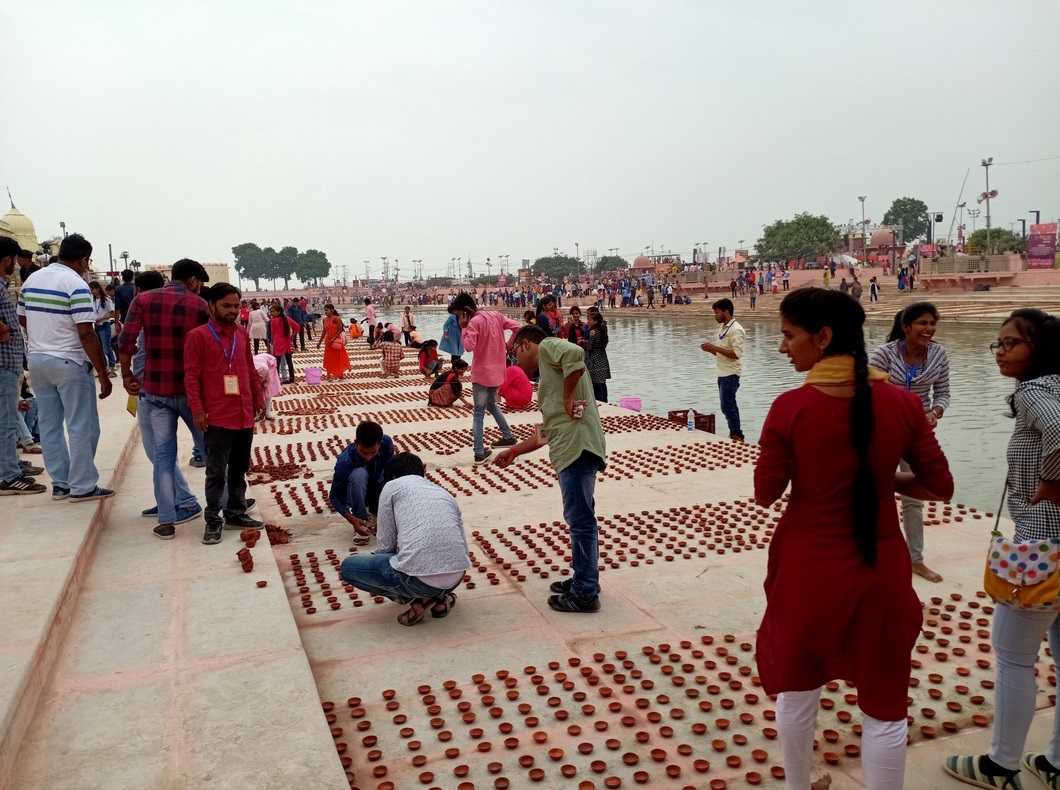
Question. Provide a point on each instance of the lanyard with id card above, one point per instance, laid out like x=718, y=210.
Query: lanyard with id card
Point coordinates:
x=231, y=380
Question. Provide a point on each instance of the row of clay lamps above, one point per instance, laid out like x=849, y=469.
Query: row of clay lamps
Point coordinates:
x=270, y=472
x=332, y=597
x=288, y=426
x=454, y=441
x=680, y=544
x=828, y=703
x=319, y=499
x=297, y=452
x=618, y=714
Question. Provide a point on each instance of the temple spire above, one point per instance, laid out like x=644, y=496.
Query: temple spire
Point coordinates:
x=10, y=198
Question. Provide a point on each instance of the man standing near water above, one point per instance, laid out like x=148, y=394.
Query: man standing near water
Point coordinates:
x=729, y=352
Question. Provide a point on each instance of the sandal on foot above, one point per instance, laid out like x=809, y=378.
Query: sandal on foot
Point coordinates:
x=412, y=615
x=447, y=602
x=360, y=540
x=967, y=770
x=1039, y=766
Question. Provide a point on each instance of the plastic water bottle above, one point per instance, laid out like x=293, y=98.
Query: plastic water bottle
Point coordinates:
x=691, y=420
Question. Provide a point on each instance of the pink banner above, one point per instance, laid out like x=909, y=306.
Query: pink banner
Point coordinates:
x=1041, y=246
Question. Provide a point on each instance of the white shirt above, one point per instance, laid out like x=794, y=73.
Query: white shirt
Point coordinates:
x=420, y=523
x=54, y=300
x=104, y=309
x=731, y=336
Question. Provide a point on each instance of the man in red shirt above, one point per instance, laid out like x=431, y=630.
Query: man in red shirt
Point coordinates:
x=225, y=398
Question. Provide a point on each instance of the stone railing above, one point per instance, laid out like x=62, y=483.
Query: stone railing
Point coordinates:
x=979, y=264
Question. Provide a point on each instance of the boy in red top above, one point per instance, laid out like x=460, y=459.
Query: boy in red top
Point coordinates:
x=225, y=398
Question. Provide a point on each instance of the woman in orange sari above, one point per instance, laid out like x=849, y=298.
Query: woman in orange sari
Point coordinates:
x=336, y=360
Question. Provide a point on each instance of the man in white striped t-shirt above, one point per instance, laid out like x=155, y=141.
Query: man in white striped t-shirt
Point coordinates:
x=55, y=308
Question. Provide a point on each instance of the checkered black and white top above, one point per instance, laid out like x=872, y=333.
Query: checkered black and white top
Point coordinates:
x=1033, y=455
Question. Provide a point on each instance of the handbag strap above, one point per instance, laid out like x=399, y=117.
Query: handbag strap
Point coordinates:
x=997, y=520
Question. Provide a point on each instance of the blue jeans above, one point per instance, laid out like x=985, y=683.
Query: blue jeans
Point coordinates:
x=485, y=399
x=104, y=333
x=28, y=421
x=9, y=432
x=66, y=397
x=374, y=574
x=183, y=497
x=362, y=494
x=162, y=415
x=727, y=386
x=577, y=484
x=1017, y=638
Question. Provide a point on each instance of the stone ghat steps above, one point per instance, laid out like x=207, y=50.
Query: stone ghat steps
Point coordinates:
x=46, y=551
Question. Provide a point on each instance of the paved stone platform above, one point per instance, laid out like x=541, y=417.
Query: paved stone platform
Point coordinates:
x=175, y=669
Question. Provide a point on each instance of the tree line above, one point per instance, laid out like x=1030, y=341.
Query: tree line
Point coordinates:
x=257, y=264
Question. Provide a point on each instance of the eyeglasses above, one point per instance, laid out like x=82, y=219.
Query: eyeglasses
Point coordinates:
x=1008, y=344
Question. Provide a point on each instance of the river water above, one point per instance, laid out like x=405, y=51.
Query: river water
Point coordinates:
x=657, y=358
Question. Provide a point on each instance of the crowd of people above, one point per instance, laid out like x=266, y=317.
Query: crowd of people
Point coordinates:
x=840, y=603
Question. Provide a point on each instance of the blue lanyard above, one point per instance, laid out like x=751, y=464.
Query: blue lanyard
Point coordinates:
x=910, y=372
x=230, y=355
x=728, y=326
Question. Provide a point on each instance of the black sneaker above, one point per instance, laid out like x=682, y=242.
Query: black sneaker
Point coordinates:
x=28, y=469
x=250, y=503
x=212, y=533
x=93, y=495
x=510, y=442
x=151, y=512
x=243, y=522
x=561, y=587
x=481, y=459
x=568, y=603
x=165, y=531
x=21, y=485
x=58, y=493
x=197, y=463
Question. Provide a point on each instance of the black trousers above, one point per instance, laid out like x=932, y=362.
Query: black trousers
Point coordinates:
x=227, y=450
x=408, y=337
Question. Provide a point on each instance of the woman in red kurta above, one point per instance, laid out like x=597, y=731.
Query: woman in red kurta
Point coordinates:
x=840, y=600
x=336, y=360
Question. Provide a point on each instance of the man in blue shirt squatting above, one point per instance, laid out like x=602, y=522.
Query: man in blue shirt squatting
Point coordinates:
x=359, y=476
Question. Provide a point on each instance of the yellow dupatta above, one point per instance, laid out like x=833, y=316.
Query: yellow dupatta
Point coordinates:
x=835, y=371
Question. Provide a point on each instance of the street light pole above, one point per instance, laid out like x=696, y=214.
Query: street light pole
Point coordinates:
x=864, y=243
x=973, y=213
x=63, y=226
x=1037, y=216
x=986, y=165
x=1023, y=224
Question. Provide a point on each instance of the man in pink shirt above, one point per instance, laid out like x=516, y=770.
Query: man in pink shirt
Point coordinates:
x=483, y=335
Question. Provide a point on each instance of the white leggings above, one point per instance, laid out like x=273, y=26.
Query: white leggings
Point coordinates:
x=883, y=743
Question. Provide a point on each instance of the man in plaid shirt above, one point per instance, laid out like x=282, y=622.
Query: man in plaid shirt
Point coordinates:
x=393, y=353
x=165, y=315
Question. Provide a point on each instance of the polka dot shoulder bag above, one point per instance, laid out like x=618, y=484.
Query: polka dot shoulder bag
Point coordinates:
x=1023, y=574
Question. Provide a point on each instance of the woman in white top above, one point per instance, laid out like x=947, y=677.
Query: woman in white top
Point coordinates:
x=257, y=324
x=106, y=314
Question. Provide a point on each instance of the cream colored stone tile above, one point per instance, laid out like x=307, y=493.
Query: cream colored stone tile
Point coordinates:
x=260, y=726
x=29, y=596
x=229, y=614
x=118, y=629
x=114, y=739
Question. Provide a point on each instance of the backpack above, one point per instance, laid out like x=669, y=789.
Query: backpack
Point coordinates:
x=441, y=392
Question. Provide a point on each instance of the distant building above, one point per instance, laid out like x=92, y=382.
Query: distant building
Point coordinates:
x=16, y=225
x=219, y=272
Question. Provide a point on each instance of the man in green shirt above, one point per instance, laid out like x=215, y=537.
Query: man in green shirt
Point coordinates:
x=571, y=429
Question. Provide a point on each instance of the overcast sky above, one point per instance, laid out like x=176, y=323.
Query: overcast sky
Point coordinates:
x=434, y=130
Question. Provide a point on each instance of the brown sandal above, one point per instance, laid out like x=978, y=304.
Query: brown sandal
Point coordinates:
x=411, y=616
